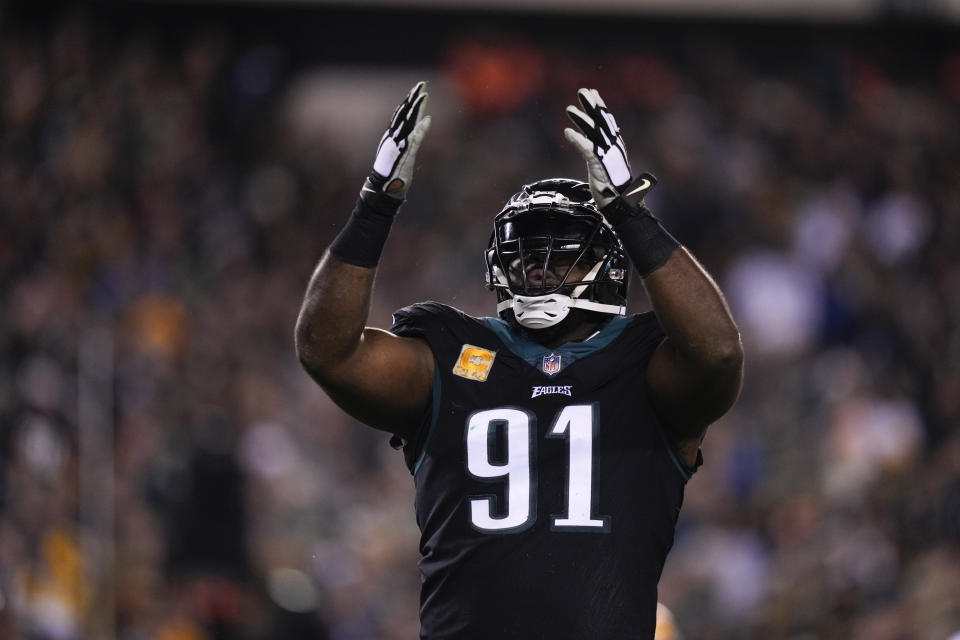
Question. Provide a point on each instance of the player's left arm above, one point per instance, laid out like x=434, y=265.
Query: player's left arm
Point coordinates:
x=694, y=376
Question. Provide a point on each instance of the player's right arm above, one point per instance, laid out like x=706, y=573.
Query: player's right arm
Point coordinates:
x=375, y=376
x=695, y=374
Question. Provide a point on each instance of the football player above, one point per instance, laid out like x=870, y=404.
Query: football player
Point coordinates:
x=549, y=444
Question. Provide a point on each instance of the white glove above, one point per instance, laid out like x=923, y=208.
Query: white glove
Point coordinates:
x=393, y=167
x=601, y=145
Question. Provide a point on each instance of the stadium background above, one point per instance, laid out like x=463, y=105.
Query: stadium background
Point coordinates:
x=169, y=174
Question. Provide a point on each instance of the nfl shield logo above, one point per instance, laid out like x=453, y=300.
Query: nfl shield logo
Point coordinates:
x=551, y=364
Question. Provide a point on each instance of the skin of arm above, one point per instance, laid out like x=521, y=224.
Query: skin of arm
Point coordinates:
x=379, y=378
x=696, y=373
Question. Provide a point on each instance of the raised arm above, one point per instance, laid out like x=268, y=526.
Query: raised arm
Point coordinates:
x=377, y=377
x=695, y=374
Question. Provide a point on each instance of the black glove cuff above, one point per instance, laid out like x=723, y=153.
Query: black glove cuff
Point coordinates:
x=646, y=242
x=362, y=239
x=619, y=211
x=376, y=198
x=630, y=201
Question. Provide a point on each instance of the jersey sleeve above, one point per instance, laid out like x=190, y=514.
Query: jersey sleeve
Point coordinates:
x=416, y=320
x=648, y=336
x=421, y=320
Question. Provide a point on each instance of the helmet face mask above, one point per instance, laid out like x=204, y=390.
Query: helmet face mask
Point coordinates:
x=538, y=263
x=551, y=250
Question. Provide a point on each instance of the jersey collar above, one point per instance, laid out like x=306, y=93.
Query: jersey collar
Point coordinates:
x=534, y=353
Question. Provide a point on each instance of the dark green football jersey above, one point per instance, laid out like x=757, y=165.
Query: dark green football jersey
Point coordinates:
x=547, y=492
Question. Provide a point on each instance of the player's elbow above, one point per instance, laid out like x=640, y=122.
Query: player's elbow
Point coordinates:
x=323, y=352
x=320, y=368
x=310, y=350
x=723, y=353
x=723, y=367
x=727, y=354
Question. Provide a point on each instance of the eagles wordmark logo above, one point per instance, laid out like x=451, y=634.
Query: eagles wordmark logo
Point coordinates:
x=566, y=390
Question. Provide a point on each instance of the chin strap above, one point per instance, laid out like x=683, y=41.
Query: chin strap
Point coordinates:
x=540, y=312
x=571, y=303
x=537, y=312
x=587, y=279
x=590, y=305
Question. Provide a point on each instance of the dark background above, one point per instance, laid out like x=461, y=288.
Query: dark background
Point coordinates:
x=171, y=172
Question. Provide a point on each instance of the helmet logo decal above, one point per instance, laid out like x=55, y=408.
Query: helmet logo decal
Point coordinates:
x=551, y=364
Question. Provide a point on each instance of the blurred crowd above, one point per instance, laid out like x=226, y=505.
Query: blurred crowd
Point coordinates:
x=169, y=472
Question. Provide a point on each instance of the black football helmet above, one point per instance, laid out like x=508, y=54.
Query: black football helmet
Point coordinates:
x=550, y=251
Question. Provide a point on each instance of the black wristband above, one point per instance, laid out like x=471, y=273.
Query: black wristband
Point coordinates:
x=647, y=243
x=362, y=239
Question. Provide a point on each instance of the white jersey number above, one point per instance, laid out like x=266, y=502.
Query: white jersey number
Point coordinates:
x=576, y=424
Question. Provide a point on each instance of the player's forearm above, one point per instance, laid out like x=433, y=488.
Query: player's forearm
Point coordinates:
x=333, y=314
x=335, y=307
x=688, y=303
x=693, y=313
x=337, y=301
